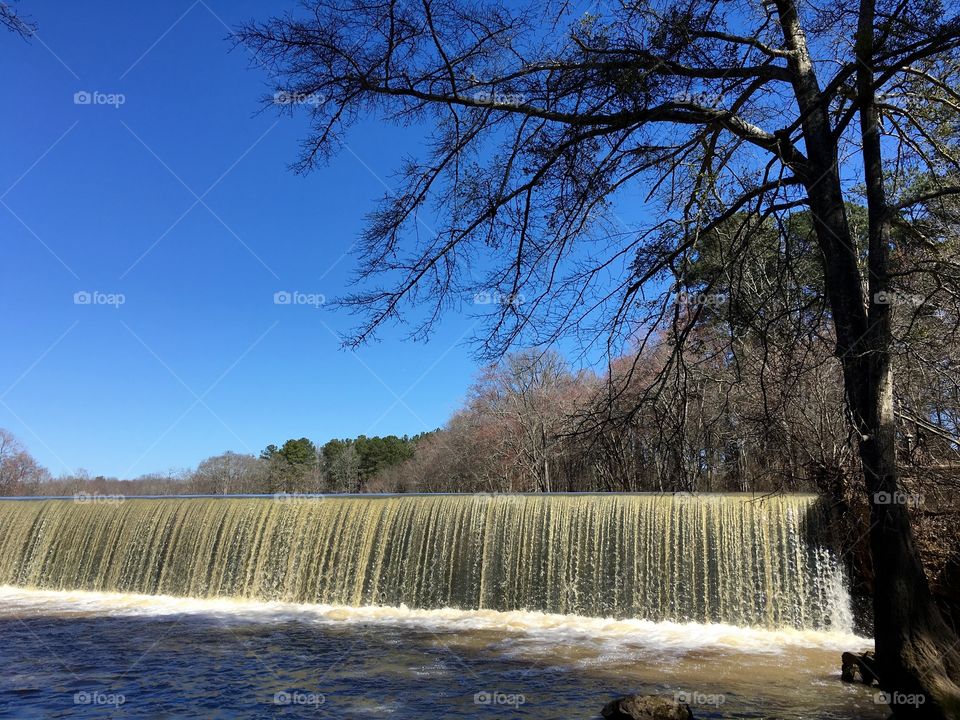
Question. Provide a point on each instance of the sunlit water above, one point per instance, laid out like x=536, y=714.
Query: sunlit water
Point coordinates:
x=84, y=654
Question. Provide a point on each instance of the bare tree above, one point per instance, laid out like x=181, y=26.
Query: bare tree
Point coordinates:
x=230, y=473
x=532, y=397
x=724, y=115
x=15, y=22
x=20, y=474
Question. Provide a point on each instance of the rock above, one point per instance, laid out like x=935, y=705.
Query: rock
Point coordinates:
x=646, y=707
x=859, y=668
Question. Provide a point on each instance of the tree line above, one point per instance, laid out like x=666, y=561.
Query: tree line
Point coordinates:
x=296, y=466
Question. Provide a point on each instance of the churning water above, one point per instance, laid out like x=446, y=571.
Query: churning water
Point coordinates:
x=81, y=654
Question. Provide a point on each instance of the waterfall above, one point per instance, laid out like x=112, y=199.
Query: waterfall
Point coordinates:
x=733, y=559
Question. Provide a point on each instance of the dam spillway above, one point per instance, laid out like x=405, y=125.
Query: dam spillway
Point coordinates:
x=732, y=559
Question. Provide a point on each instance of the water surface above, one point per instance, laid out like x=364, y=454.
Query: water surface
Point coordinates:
x=87, y=654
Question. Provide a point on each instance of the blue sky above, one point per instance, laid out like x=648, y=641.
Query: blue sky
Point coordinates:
x=103, y=198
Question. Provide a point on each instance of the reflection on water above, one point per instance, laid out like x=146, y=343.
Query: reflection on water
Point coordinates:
x=100, y=655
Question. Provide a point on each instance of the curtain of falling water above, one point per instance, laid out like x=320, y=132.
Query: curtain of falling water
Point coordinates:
x=708, y=558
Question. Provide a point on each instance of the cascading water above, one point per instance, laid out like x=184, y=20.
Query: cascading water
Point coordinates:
x=711, y=558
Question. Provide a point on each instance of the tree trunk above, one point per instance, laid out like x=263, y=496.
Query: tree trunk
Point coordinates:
x=917, y=652
x=914, y=644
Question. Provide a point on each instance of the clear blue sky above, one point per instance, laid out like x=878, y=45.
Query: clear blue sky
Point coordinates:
x=198, y=359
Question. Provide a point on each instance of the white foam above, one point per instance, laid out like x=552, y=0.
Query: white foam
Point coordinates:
x=525, y=626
